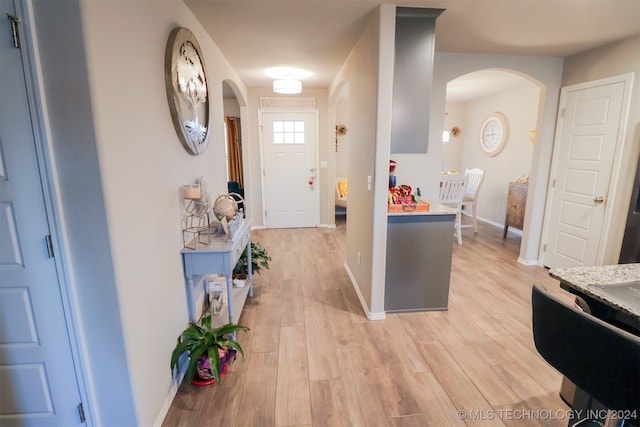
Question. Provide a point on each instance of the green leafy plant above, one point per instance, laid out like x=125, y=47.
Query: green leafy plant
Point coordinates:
x=259, y=259
x=200, y=340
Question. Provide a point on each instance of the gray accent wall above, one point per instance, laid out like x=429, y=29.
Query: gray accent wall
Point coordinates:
x=412, y=77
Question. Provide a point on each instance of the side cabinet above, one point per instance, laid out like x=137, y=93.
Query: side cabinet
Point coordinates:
x=516, y=204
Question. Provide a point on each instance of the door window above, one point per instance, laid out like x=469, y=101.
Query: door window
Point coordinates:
x=288, y=132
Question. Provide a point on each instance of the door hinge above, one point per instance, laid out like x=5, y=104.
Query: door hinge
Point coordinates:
x=553, y=183
x=265, y=213
x=544, y=248
x=562, y=113
x=15, y=30
x=49, y=245
x=83, y=419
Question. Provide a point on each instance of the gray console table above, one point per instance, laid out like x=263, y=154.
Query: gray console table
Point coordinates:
x=219, y=257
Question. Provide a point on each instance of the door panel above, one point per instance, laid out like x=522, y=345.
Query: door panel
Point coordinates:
x=38, y=385
x=587, y=143
x=290, y=175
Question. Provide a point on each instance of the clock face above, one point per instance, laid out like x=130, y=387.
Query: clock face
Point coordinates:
x=494, y=133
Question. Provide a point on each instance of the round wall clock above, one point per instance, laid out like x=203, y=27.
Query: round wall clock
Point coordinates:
x=494, y=133
x=187, y=90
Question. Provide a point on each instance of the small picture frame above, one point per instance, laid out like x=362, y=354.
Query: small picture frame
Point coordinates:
x=217, y=289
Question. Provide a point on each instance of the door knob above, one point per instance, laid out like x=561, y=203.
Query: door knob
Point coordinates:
x=598, y=199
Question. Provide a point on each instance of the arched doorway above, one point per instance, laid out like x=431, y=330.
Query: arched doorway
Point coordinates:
x=470, y=100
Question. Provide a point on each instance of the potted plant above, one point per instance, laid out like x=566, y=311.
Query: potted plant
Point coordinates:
x=259, y=259
x=209, y=349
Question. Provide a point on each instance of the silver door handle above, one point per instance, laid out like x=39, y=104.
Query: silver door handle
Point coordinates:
x=598, y=199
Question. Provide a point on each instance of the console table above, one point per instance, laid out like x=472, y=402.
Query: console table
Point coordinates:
x=219, y=257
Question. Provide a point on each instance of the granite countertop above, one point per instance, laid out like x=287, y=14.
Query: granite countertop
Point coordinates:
x=617, y=285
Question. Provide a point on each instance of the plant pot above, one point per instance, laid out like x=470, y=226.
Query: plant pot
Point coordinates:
x=198, y=380
x=204, y=376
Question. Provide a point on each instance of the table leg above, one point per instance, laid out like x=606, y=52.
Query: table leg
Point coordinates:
x=249, y=269
x=190, y=302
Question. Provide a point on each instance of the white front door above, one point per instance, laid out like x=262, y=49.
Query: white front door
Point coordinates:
x=290, y=180
x=586, y=145
x=38, y=385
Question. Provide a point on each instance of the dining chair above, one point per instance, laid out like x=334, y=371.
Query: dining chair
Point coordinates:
x=475, y=177
x=451, y=194
x=599, y=358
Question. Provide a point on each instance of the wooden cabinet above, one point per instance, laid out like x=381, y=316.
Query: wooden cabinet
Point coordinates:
x=516, y=203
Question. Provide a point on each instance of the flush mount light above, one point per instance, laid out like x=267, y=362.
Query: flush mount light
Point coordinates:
x=287, y=86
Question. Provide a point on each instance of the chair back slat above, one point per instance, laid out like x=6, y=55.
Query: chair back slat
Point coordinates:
x=474, y=180
x=452, y=188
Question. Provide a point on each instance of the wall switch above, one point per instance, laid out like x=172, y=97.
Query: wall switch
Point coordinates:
x=323, y=164
x=369, y=183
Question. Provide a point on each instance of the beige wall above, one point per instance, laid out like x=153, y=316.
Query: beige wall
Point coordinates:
x=368, y=132
x=611, y=60
x=520, y=106
x=125, y=261
x=452, y=151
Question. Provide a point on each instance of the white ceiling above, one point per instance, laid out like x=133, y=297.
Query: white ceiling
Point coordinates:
x=317, y=35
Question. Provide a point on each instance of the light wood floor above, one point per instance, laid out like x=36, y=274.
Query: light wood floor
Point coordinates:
x=313, y=359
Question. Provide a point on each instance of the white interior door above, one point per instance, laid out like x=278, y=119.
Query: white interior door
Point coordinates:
x=587, y=139
x=290, y=178
x=38, y=385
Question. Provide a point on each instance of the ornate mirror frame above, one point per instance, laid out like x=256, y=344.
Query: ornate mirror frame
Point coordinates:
x=187, y=90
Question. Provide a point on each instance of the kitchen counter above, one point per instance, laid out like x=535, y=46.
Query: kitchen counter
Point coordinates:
x=432, y=209
x=612, y=291
x=419, y=250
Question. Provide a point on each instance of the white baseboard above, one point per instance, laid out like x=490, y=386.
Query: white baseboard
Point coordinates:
x=363, y=303
x=173, y=390
x=501, y=226
x=327, y=226
x=528, y=261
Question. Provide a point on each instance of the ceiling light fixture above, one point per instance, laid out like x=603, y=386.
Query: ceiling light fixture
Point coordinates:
x=287, y=86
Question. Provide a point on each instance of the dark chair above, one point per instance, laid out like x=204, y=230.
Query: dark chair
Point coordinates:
x=237, y=193
x=599, y=358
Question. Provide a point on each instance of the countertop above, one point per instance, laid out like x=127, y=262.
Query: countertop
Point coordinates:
x=617, y=285
x=434, y=209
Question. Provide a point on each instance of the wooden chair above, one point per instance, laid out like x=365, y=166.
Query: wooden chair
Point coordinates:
x=470, y=201
x=451, y=194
